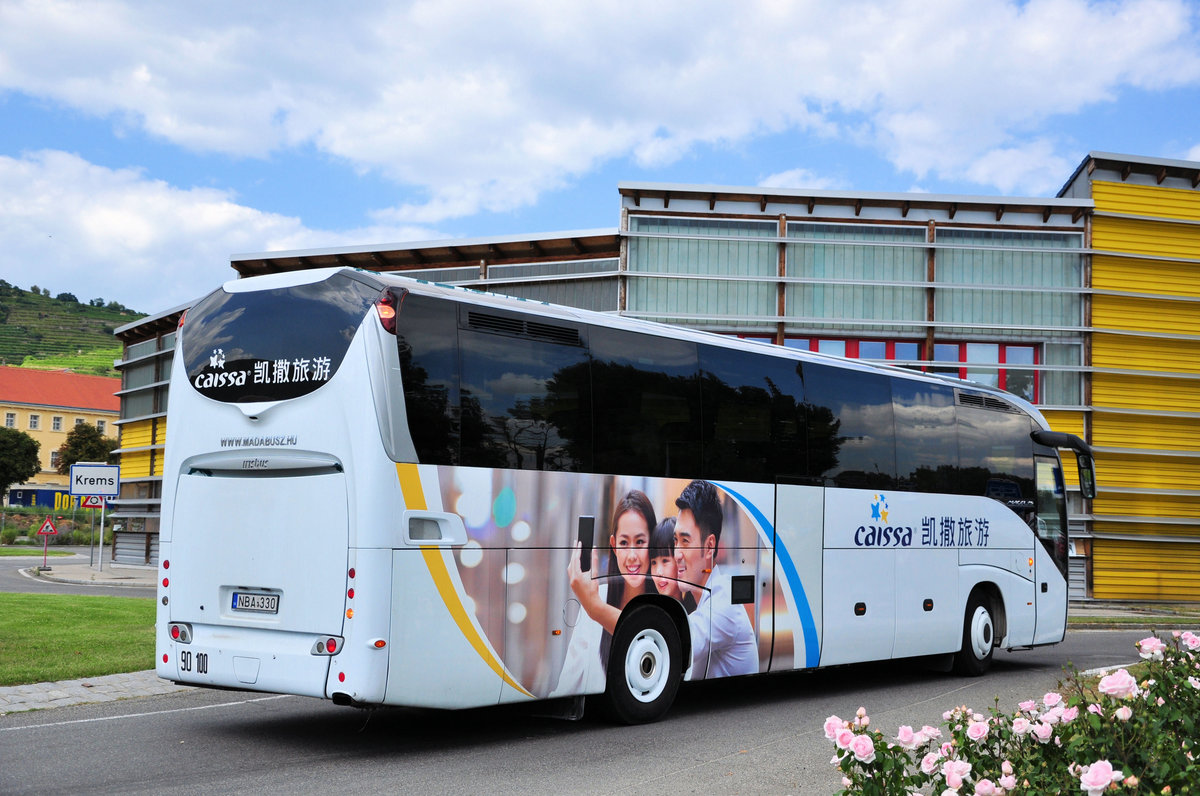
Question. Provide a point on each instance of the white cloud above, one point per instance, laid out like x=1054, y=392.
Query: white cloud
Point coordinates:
x=75, y=227
x=484, y=106
x=802, y=178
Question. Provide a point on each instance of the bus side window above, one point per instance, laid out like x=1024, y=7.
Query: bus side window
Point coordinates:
x=427, y=337
x=646, y=397
x=754, y=423
x=524, y=403
x=852, y=435
x=926, y=436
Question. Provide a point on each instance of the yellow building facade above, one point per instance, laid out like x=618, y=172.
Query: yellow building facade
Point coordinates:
x=1145, y=380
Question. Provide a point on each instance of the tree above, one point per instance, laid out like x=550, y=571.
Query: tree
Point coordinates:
x=67, y=297
x=18, y=458
x=85, y=443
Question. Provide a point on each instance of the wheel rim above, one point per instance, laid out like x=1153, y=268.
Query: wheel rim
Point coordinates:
x=981, y=632
x=646, y=665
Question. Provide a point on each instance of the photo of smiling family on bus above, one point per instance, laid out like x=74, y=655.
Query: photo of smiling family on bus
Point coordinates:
x=551, y=614
x=675, y=558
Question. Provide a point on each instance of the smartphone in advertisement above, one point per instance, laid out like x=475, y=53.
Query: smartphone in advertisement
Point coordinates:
x=587, y=534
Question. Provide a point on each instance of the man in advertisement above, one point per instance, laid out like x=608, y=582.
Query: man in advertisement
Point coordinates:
x=722, y=640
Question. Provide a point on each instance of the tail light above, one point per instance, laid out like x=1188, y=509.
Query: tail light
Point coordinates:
x=387, y=306
x=328, y=645
x=181, y=632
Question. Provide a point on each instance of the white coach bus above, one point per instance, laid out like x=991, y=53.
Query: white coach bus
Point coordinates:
x=379, y=490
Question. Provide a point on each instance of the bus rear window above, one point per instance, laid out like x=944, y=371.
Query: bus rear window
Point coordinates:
x=275, y=344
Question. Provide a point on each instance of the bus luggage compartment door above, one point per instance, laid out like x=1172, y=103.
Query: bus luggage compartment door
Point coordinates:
x=443, y=652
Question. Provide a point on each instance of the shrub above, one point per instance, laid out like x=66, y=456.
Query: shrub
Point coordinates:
x=1134, y=737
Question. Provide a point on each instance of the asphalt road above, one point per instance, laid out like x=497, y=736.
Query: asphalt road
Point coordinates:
x=749, y=736
x=11, y=579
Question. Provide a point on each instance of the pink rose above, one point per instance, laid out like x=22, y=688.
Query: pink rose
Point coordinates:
x=955, y=771
x=832, y=725
x=1151, y=648
x=931, y=732
x=1098, y=776
x=1124, y=713
x=1008, y=782
x=1069, y=715
x=1006, y=769
x=843, y=738
x=977, y=730
x=906, y=737
x=863, y=748
x=1043, y=732
x=929, y=763
x=1051, y=699
x=1190, y=640
x=1021, y=725
x=985, y=787
x=1119, y=684
x=1193, y=682
x=1094, y=708
x=1053, y=715
x=1028, y=706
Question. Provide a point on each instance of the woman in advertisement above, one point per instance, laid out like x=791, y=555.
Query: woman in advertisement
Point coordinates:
x=629, y=558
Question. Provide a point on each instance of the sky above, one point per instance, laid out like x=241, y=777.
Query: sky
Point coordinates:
x=142, y=144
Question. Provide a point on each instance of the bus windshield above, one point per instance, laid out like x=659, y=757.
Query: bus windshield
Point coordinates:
x=272, y=345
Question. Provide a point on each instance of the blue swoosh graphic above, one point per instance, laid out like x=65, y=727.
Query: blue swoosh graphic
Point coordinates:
x=812, y=646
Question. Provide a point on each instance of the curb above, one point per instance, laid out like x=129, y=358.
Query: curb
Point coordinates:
x=117, y=583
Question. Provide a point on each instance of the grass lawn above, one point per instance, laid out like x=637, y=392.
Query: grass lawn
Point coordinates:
x=47, y=637
x=30, y=550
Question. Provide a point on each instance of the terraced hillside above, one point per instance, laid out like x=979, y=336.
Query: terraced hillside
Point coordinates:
x=38, y=327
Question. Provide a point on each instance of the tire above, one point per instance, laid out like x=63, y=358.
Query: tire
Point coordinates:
x=978, y=638
x=643, y=667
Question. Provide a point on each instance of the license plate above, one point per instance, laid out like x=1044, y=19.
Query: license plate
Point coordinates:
x=256, y=601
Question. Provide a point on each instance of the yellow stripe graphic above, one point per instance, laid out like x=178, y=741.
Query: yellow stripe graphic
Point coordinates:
x=437, y=567
x=414, y=498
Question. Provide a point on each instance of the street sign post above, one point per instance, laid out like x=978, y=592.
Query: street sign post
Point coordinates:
x=96, y=480
x=46, y=531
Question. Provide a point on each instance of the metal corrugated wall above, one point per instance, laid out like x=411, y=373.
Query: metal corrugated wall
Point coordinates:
x=1146, y=356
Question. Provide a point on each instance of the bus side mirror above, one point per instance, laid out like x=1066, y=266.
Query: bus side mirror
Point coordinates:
x=1087, y=475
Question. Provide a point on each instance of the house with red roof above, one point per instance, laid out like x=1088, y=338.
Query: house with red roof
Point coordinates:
x=47, y=404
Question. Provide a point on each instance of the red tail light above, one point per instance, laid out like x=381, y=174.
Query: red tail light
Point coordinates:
x=387, y=307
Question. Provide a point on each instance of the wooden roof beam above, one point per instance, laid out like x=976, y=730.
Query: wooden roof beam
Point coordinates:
x=712, y=201
x=812, y=204
x=762, y=203
x=999, y=212
x=953, y=211
x=904, y=208
x=1162, y=174
x=577, y=246
x=858, y=207
x=666, y=199
x=1126, y=170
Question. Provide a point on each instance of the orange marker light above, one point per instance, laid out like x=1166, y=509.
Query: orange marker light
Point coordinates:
x=380, y=644
x=349, y=613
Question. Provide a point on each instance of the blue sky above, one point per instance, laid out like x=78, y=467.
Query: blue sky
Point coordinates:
x=141, y=144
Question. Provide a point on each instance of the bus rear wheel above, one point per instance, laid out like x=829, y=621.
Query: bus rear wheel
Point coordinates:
x=644, y=667
x=978, y=638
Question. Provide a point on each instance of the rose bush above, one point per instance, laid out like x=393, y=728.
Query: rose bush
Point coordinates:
x=1130, y=736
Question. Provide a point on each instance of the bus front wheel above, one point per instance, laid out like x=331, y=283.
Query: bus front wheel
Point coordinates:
x=978, y=638
x=644, y=666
